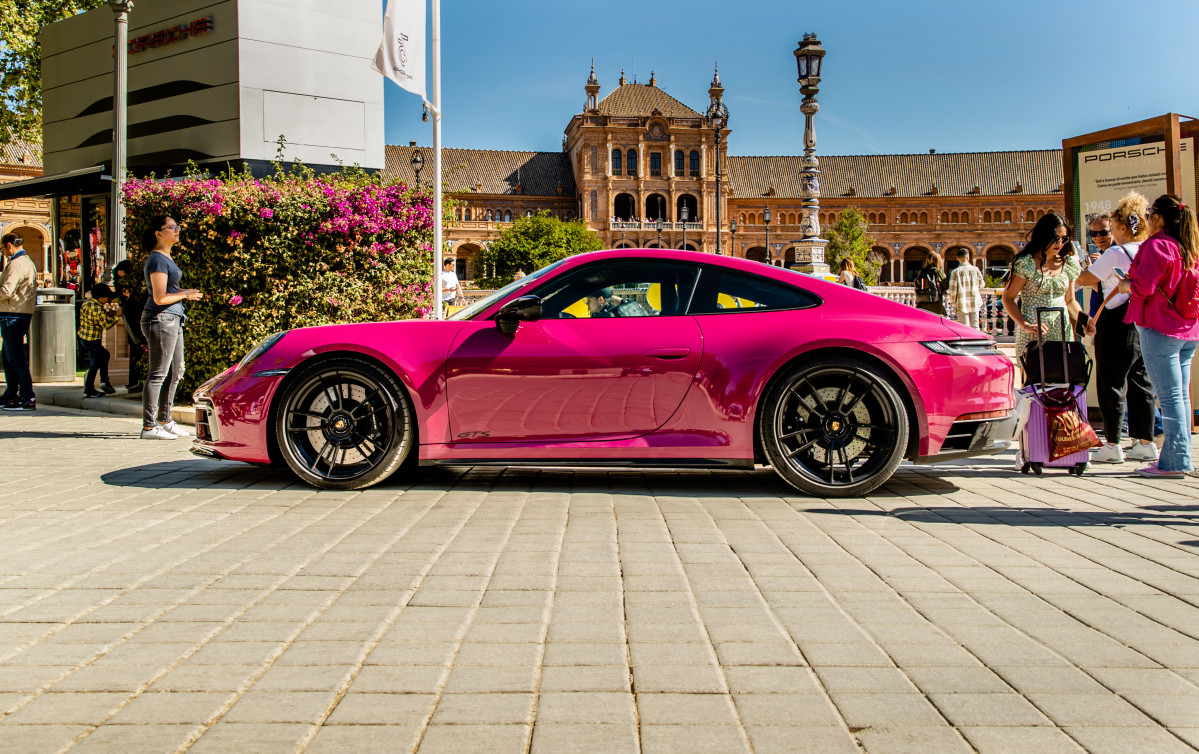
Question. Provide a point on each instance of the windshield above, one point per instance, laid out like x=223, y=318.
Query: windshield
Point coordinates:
x=487, y=301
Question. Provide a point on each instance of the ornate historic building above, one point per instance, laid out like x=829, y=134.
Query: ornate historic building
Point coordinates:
x=29, y=218
x=639, y=155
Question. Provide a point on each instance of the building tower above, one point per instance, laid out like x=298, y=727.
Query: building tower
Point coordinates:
x=593, y=87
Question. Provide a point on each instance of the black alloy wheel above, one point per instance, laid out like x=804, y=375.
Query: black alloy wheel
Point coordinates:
x=344, y=424
x=834, y=427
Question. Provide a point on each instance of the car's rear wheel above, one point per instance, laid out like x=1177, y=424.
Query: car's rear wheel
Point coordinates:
x=344, y=424
x=834, y=427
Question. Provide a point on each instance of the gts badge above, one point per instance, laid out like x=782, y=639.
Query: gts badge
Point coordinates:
x=472, y=435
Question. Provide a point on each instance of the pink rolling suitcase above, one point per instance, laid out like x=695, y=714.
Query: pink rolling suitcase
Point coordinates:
x=1034, y=439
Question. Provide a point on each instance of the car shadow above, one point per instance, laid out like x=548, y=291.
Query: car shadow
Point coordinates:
x=656, y=482
x=44, y=435
x=1030, y=516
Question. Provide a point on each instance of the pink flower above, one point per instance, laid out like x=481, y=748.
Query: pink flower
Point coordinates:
x=267, y=213
x=235, y=300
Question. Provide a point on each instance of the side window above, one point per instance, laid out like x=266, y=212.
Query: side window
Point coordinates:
x=725, y=291
x=632, y=288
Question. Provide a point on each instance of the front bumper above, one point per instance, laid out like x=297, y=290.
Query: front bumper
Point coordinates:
x=970, y=438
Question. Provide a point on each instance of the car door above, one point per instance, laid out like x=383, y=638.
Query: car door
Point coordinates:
x=574, y=377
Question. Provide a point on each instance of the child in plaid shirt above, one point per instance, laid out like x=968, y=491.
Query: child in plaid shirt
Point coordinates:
x=97, y=315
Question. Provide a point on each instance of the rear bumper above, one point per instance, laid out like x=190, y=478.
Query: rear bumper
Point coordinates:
x=974, y=438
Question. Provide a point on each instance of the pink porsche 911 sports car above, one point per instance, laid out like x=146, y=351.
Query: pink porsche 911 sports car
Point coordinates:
x=633, y=357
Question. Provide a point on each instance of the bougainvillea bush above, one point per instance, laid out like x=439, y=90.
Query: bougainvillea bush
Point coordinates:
x=290, y=250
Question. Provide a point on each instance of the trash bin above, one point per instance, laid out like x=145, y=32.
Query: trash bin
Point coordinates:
x=52, y=336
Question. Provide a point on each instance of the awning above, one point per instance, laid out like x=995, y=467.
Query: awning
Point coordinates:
x=95, y=180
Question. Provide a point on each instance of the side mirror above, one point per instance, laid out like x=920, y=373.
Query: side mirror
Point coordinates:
x=523, y=309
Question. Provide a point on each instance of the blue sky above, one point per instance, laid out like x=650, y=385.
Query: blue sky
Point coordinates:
x=899, y=77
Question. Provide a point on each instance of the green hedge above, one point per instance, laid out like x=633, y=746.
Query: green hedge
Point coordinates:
x=290, y=250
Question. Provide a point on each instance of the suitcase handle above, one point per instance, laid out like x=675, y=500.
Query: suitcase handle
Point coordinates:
x=1041, y=339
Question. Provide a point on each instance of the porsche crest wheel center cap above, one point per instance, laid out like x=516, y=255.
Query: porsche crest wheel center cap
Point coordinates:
x=340, y=424
x=836, y=426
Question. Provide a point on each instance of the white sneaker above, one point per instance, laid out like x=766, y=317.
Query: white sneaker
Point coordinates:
x=1142, y=452
x=1108, y=454
x=175, y=429
x=158, y=432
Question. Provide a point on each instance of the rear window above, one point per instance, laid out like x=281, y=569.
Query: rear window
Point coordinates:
x=724, y=291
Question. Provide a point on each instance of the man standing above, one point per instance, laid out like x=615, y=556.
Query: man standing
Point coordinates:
x=965, y=290
x=18, y=289
x=449, y=283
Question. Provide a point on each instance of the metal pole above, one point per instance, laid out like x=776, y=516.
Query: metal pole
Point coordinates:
x=436, y=102
x=769, y=253
x=120, y=99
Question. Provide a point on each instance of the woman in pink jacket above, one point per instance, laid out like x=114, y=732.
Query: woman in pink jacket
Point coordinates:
x=1168, y=339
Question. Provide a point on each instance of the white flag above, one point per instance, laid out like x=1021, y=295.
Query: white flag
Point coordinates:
x=401, y=56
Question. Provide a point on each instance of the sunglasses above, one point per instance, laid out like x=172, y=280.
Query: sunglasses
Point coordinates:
x=1060, y=239
x=1099, y=233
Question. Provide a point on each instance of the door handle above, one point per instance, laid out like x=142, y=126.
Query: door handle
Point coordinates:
x=668, y=353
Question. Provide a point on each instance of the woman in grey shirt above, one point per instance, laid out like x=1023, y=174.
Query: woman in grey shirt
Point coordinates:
x=162, y=323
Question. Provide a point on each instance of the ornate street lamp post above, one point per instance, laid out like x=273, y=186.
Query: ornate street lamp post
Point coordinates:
x=718, y=114
x=684, y=217
x=733, y=233
x=809, y=252
x=658, y=223
x=769, y=251
x=120, y=98
x=417, y=162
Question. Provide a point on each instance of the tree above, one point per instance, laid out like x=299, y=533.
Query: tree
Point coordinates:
x=21, y=62
x=531, y=243
x=847, y=238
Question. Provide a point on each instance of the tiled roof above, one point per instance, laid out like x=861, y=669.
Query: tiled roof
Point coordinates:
x=21, y=154
x=911, y=175
x=498, y=171
x=639, y=100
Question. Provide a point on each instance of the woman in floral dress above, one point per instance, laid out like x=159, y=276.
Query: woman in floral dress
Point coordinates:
x=1043, y=276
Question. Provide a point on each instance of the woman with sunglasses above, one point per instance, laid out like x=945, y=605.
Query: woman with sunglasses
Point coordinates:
x=1120, y=378
x=162, y=324
x=1168, y=338
x=1043, y=275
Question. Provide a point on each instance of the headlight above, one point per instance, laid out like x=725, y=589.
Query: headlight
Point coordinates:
x=962, y=347
x=261, y=347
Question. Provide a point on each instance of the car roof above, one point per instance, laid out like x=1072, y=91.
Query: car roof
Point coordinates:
x=694, y=257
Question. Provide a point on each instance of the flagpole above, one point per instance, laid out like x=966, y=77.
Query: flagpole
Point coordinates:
x=436, y=99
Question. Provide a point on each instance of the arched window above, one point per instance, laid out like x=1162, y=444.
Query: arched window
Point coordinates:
x=631, y=162
x=987, y=216
x=569, y=216
x=791, y=219
x=882, y=218
x=694, y=164
x=1028, y=216
x=467, y=214
x=1007, y=215
x=924, y=218
x=678, y=163
x=499, y=214
x=615, y=162
x=508, y=216
x=945, y=217
x=903, y=218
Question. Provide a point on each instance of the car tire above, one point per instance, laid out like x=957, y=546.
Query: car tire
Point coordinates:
x=344, y=424
x=833, y=427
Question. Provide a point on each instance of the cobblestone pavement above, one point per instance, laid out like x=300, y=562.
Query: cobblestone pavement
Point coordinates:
x=153, y=601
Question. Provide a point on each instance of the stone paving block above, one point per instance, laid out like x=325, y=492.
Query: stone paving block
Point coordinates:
x=172, y=707
x=412, y=653
x=527, y=654
x=252, y=738
x=766, y=680
x=957, y=680
x=1072, y=709
x=1174, y=710
x=280, y=707
x=584, y=708
x=29, y=738
x=878, y=679
x=301, y=678
x=559, y=738
x=582, y=653
x=993, y=739
x=338, y=739
x=792, y=710
x=587, y=678
x=455, y=739
x=127, y=678
x=690, y=739
x=492, y=679
x=856, y=654
x=483, y=709
x=117, y=739
x=408, y=710
x=801, y=739
x=685, y=709
x=1004, y=709
x=1117, y=740
x=912, y=740
x=871, y=709
x=73, y=708
x=687, y=679
x=757, y=653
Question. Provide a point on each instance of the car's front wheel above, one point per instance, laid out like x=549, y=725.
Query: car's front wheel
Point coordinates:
x=344, y=424
x=833, y=427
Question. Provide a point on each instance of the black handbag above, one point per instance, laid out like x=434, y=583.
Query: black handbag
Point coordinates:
x=1055, y=361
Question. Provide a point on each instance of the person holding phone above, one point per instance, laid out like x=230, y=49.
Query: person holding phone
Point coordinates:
x=1120, y=379
x=1043, y=275
x=1168, y=338
x=162, y=322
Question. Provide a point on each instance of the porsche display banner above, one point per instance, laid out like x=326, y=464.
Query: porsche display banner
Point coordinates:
x=401, y=55
x=1106, y=175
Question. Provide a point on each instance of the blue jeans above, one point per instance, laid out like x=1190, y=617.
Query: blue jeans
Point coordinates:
x=17, y=382
x=1168, y=362
x=98, y=357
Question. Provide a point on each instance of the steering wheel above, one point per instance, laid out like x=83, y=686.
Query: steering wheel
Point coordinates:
x=566, y=315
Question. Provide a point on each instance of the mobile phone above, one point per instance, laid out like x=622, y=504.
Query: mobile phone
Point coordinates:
x=1120, y=273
